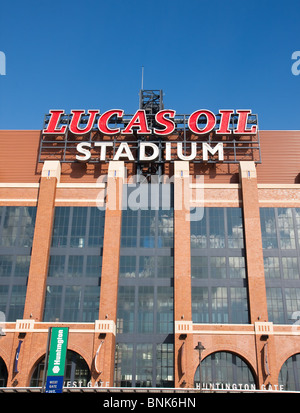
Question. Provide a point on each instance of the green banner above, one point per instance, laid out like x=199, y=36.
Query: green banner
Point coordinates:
x=58, y=351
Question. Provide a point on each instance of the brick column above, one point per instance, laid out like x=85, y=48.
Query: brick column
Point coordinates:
x=255, y=274
x=37, y=279
x=110, y=276
x=183, y=337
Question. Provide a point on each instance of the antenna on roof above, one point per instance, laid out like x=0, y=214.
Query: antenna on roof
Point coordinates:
x=142, y=88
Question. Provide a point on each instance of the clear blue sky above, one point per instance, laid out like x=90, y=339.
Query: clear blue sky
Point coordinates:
x=204, y=54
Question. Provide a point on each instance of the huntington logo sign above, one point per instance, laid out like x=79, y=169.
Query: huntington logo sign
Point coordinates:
x=57, y=359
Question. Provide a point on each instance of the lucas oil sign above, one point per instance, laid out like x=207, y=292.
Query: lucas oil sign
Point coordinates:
x=227, y=136
x=57, y=359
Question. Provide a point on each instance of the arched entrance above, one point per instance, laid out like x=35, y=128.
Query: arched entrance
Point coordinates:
x=289, y=376
x=3, y=373
x=77, y=372
x=224, y=370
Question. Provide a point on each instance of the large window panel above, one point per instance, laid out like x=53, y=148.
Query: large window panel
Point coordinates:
x=218, y=267
x=280, y=239
x=145, y=319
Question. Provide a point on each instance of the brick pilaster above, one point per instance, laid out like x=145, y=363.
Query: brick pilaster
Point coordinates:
x=37, y=279
x=183, y=341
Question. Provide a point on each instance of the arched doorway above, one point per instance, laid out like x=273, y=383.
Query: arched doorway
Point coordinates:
x=77, y=372
x=224, y=370
x=289, y=376
x=3, y=373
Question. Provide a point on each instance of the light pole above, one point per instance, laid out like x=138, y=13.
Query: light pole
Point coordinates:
x=200, y=348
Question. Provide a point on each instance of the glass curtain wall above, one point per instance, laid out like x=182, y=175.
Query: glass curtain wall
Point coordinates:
x=218, y=268
x=144, y=351
x=16, y=236
x=74, y=273
x=281, y=246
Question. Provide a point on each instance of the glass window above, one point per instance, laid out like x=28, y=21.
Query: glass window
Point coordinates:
x=272, y=269
x=129, y=228
x=292, y=299
x=146, y=266
x=78, y=227
x=165, y=267
x=297, y=222
x=126, y=309
x=165, y=228
x=17, y=301
x=61, y=226
x=199, y=267
x=17, y=226
x=74, y=272
x=6, y=265
x=91, y=300
x=165, y=365
x=72, y=303
x=146, y=309
x=224, y=368
x=96, y=228
x=290, y=268
x=218, y=267
x=124, y=365
x=268, y=228
x=275, y=305
x=286, y=228
x=237, y=267
x=200, y=305
x=289, y=375
x=3, y=373
x=53, y=304
x=199, y=232
x=280, y=236
x=16, y=236
x=219, y=305
x=148, y=229
x=217, y=228
x=145, y=297
x=144, y=362
x=77, y=373
x=127, y=266
x=93, y=266
x=235, y=228
x=165, y=310
x=75, y=266
x=239, y=305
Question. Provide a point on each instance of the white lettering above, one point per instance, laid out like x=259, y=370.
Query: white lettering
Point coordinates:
x=123, y=146
x=103, y=146
x=143, y=156
x=171, y=402
x=187, y=157
x=218, y=148
x=124, y=151
x=86, y=152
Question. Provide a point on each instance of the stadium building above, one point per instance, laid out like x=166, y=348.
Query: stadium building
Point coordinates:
x=167, y=244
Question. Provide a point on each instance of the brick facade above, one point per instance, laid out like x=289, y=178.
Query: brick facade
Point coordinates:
x=247, y=341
